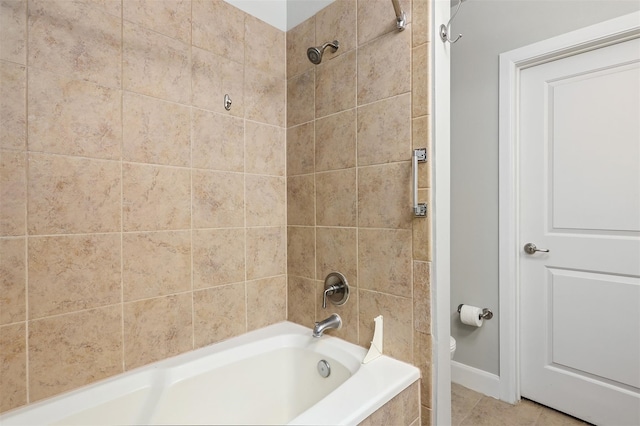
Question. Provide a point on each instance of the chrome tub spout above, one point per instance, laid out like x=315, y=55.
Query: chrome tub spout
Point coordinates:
x=334, y=321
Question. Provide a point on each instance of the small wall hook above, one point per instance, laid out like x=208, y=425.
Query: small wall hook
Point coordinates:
x=446, y=29
x=227, y=102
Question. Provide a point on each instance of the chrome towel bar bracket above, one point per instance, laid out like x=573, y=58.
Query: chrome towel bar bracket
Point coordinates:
x=419, y=156
x=401, y=18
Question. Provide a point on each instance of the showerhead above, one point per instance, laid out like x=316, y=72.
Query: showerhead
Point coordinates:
x=315, y=53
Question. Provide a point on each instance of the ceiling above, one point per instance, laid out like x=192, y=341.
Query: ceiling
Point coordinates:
x=282, y=14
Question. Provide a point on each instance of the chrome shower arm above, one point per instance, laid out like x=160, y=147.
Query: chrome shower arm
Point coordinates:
x=334, y=45
x=315, y=53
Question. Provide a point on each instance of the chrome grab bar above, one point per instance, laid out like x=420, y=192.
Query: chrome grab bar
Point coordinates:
x=419, y=155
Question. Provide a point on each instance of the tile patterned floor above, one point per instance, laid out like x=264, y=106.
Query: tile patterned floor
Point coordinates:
x=469, y=408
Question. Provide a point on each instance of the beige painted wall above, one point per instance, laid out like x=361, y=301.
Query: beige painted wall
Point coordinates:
x=491, y=27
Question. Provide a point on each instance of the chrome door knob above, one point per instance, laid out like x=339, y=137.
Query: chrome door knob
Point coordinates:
x=531, y=248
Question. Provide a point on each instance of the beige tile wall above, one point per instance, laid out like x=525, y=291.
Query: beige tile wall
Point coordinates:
x=138, y=218
x=352, y=122
x=402, y=410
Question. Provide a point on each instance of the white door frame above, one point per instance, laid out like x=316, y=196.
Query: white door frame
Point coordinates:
x=440, y=208
x=511, y=63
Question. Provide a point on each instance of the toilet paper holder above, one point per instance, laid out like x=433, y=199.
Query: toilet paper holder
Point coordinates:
x=486, y=313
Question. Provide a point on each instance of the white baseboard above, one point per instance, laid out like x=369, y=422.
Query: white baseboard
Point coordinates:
x=475, y=379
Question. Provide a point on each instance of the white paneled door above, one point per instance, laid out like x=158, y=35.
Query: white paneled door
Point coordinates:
x=579, y=186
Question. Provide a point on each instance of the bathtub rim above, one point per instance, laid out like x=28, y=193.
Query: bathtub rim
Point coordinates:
x=380, y=380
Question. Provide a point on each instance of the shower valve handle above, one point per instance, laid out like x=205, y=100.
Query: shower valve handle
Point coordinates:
x=336, y=289
x=329, y=292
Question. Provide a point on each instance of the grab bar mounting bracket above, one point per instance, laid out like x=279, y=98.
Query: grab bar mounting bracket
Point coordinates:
x=420, y=210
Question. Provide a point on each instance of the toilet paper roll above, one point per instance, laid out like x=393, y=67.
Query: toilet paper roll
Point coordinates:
x=471, y=315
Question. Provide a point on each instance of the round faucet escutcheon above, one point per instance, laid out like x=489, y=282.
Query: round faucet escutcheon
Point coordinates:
x=336, y=289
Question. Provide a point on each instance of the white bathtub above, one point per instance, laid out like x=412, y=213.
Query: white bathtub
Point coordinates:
x=267, y=376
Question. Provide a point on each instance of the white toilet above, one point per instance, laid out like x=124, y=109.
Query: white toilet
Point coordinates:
x=452, y=346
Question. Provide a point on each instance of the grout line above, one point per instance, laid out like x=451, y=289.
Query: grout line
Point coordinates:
x=191, y=169
x=93, y=308
x=81, y=157
x=286, y=184
x=26, y=318
x=385, y=293
x=191, y=191
x=26, y=157
x=358, y=272
x=244, y=177
x=388, y=98
x=10, y=62
x=122, y=323
x=128, y=302
x=83, y=80
x=91, y=234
